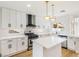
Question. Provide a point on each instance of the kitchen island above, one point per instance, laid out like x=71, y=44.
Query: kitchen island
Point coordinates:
x=47, y=46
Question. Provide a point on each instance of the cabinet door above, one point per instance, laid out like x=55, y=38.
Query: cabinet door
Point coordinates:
x=23, y=19
x=77, y=45
x=22, y=44
x=4, y=48
x=5, y=17
x=8, y=47
x=64, y=44
x=18, y=19
x=71, y=45
x=12, y=45
x=13, y=18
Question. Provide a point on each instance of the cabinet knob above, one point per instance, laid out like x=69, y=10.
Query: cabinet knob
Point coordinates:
x=23, y=43
x=9, y=25
x=21, y=25
x=74, y=43
x=10, y=46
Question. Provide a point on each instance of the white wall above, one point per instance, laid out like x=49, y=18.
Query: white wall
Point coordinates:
x=0, y=17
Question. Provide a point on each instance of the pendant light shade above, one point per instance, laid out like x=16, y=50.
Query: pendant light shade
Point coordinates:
x=47, y=17
x=53, y=17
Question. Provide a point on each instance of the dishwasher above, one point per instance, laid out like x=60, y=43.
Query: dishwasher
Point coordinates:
x=64, y=44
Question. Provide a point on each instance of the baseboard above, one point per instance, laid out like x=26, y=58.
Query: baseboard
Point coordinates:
x=10, y=55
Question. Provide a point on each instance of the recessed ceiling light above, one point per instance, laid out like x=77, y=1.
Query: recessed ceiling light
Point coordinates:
x=29, y=5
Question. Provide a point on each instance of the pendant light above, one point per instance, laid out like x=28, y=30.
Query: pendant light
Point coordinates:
x=47, y=17
x=52, y=17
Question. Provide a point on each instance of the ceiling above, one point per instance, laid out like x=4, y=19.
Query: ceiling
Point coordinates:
x=38, y=7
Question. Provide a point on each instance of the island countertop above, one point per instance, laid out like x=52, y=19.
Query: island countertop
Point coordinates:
x=49, y=41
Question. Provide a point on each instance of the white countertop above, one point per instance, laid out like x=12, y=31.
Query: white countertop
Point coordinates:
x=73, y=36
x=49, y=41
x=9, y=36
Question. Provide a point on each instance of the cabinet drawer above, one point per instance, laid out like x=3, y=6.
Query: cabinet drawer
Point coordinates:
x=7, y=41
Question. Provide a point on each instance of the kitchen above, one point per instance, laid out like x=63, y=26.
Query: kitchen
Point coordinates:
x=25, y=29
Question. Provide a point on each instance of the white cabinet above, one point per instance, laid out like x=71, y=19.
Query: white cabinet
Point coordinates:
x=23, y=19
x=5, y=17
x=71, y=44
x=77, y=45
x=22, y=44
x=8, y=47
x=4, y=49
x=11, y=46
x=10, y=18
x=13, y=18
x=18, y=19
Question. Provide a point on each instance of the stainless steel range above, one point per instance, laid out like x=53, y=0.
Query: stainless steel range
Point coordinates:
x=31, y=36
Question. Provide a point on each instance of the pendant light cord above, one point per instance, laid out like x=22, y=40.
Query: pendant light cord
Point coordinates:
x=52, y=10
x=46, y=8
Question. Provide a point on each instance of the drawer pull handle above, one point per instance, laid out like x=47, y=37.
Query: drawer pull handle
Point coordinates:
x=9, y=25
x=21, y=25
x=10, y=46
x=74, y=43
x=23, y=43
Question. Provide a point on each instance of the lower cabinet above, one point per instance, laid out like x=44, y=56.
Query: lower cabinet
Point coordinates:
x=4, y=48
x=77, y=45
x=22, y=44
x=9, y=47
x=73, y=44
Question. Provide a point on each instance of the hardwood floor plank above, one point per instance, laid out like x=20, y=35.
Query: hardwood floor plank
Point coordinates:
x=65, y=53
x=69, y=53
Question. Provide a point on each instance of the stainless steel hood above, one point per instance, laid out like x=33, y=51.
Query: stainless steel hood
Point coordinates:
x=31, y=20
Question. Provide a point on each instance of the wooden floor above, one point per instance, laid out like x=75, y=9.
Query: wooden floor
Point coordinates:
x=69, y=53
x=65, y=53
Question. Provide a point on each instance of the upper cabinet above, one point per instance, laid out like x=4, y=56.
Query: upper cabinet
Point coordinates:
x=13, y=18
x=5, y=17
x=23, y=20
x=18, y=19
x=10, y=18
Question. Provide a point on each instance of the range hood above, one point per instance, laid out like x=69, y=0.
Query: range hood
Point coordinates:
x=30, y=25
x=31, y=20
